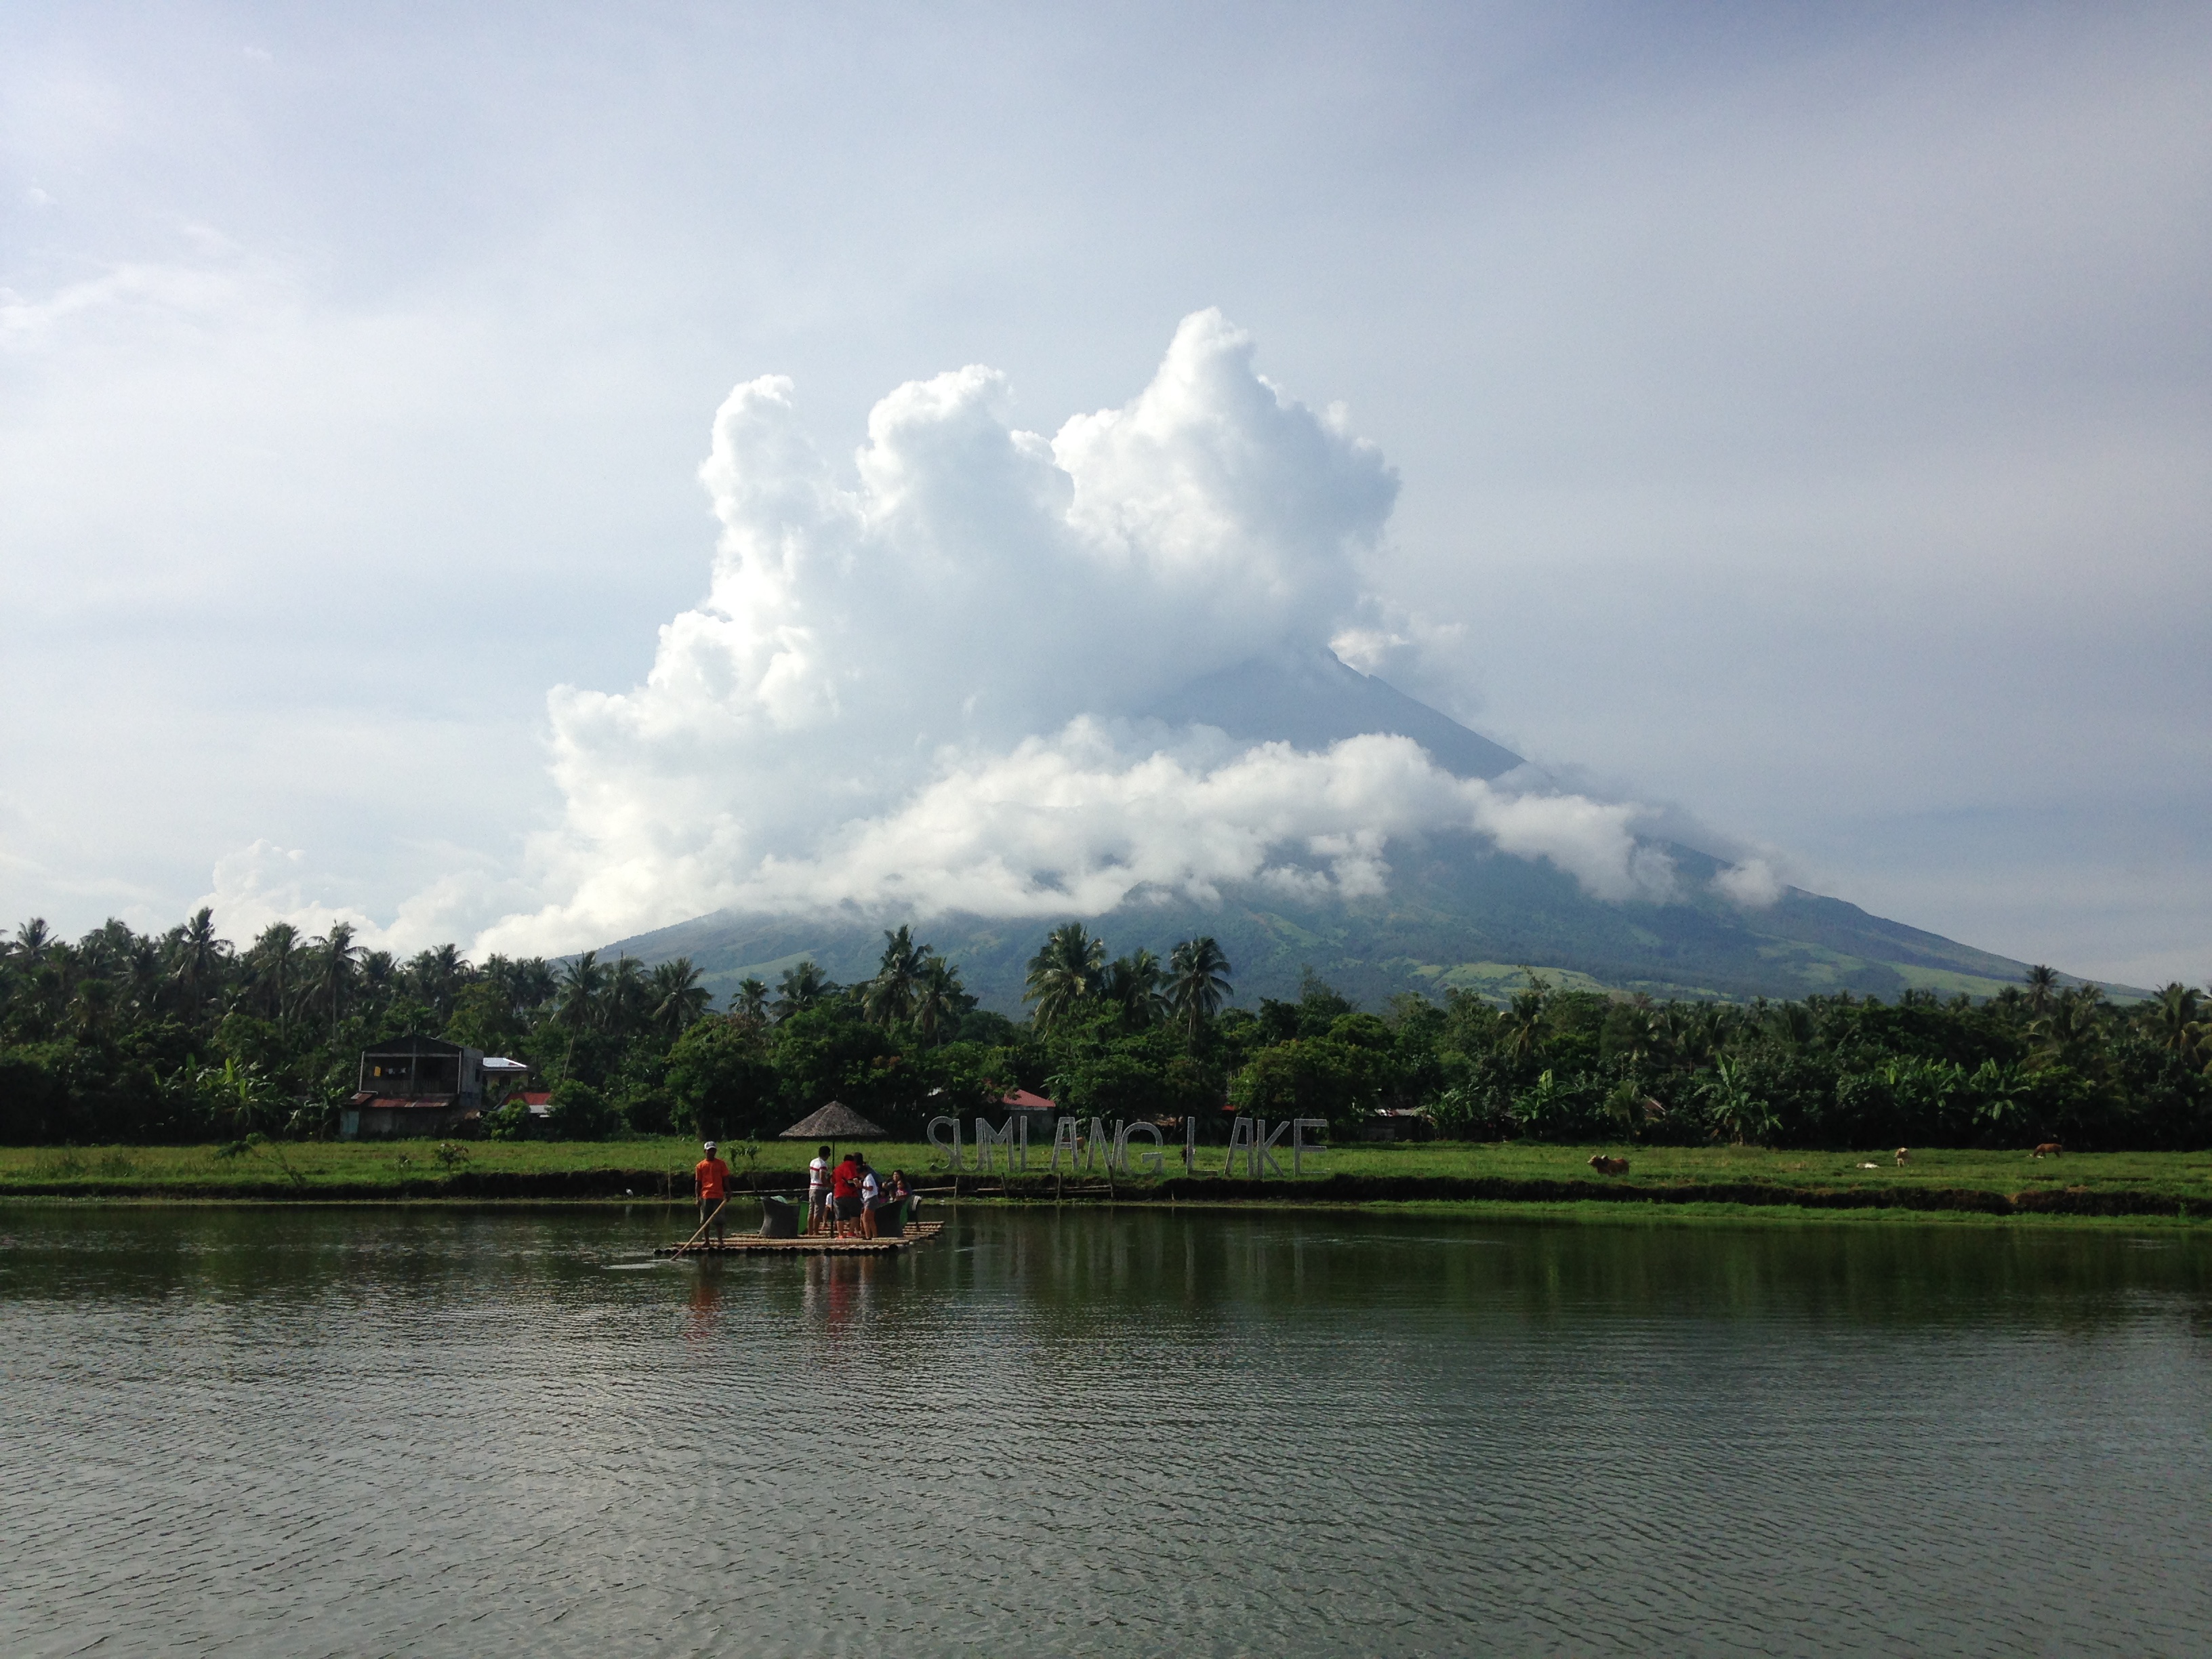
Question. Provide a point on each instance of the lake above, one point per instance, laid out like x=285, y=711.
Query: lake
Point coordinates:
x=453, y=1431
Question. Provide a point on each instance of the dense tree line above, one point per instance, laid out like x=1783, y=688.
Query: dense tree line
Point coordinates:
x=182, y=1037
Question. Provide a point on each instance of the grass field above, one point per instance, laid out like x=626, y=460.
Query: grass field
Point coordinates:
x=658, y=1168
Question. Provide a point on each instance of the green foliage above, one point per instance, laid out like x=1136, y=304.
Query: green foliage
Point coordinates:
x=121, y=1037
x=581, y=1113
x=720, y=1080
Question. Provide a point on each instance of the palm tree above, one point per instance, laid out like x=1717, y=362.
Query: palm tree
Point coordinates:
x=581, y=983
x=751, y=1000
x=627, y=1003
x=1524, y=1022
x=2172, y=1018
x=890, y=994
x=94, y=1007
x=938, y=998
x=1198, y=984
x=523, y=985
x=1064, y=974
x=335, y=956
x=1131, y=983
x=276, y=951
x=2070, y=1031
x=145, y=968
x=676, y=997
x=2042, y=986
x=802, y=987
x=198, y=954
x=437, y=976
x=33, y=939
x=379, y=975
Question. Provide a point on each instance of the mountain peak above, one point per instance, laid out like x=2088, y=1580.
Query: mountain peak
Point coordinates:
x=1313, y=699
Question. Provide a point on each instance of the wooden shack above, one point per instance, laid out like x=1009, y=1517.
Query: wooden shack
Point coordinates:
x=414, y=1085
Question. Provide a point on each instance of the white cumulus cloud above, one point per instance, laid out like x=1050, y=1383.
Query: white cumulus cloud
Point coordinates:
x=919, y=685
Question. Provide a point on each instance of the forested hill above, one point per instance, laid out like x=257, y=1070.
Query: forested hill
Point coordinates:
x=1458, y=915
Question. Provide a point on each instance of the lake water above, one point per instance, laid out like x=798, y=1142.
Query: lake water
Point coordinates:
x=377, y=1431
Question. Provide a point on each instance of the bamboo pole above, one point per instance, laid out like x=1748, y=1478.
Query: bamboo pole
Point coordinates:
x=703, y=1226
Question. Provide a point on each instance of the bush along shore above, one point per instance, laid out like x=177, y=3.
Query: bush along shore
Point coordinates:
x=2143, y=1184
x=184, y=1038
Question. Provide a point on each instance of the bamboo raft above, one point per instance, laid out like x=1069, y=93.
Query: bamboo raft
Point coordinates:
x=920, y=1233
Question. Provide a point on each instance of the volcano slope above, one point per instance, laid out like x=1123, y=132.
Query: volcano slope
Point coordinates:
x=1457, y=913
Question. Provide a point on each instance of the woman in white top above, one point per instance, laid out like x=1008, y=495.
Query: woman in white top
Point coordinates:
x=817, y=1191
x=871, y=1194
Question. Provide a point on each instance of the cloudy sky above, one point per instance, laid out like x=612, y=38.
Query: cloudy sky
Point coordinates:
x=456, y=471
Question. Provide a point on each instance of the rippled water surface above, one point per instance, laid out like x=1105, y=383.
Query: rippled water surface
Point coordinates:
x=451, y=1432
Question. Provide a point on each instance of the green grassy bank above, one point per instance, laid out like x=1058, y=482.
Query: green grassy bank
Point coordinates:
x=2175, y=1184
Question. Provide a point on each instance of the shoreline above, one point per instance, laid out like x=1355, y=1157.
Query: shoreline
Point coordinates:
x=1494, y=1196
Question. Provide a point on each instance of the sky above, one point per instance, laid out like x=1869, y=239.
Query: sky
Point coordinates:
x=521, y=475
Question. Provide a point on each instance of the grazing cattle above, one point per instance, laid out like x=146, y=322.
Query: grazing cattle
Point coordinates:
x=2048, y=1149
x=1605, y=1165
x=1903, y=1156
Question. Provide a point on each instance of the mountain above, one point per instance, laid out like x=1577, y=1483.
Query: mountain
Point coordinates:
x=1458, y=912
x=1312, y=700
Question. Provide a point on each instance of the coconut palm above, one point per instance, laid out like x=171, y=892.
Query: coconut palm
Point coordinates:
x=802, y=987
x=32, y=942
x=2172, y=1018
x=627, y=1003
x=677, y=999
x=336, y=956
x=380, y=974
x=581, y=981
x=92, y=1009
x=940, y=998
x=275, y=952
x=198, y=957
x=890, y=994
x=2042, y=982
x=1064, y=974
x=437, y=976
x=1131, y=984
x=143, y=969
x=751, y=1000
x=2070, y=1032
x=1198, y=984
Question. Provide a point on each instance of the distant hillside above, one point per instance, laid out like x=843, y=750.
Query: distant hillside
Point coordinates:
x=1458, y=913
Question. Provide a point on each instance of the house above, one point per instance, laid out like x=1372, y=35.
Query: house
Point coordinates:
x=415, y=1085
x=1041, y=1114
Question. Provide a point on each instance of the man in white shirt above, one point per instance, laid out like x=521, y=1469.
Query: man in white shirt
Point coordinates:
x=817, y=1191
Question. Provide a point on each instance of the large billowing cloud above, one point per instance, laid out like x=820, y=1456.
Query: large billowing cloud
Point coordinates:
x=917, y=689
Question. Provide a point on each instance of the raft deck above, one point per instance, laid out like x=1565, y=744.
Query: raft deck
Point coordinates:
x=918, y=1232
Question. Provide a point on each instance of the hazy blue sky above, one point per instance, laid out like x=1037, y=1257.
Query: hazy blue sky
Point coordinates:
x=1798, y=413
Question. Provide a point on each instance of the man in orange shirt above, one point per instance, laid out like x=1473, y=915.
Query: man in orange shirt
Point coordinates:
x=713, y=1192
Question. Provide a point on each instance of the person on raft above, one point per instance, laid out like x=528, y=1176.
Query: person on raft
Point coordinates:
x=871, y=1199
x=713, y=1194
x=818, y=1193
x=845, y=1194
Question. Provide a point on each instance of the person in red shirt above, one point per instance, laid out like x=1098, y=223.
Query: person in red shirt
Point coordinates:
x=713, y=1192
x=845, y=1194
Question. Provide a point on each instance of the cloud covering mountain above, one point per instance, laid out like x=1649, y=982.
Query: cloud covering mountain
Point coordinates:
x=923, y=688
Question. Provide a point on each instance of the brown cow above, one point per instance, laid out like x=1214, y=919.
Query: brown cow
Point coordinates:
x=2048, y=1149
x=1903, y=1156
x=1605, y=1165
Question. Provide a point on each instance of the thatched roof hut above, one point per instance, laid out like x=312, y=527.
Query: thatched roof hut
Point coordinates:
x=836, y=1121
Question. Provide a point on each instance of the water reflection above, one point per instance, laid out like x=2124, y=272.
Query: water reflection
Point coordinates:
x=445, y=1432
